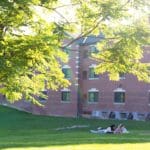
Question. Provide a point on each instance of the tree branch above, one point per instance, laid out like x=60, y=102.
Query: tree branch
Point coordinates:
x=56, y=11
x=61, y=15
x=84, y=34
x=66, y=5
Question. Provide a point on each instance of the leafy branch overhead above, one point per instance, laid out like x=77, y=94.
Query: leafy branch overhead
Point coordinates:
x=31, y=44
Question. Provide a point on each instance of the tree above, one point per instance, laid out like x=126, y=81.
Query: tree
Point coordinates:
x=31, y=47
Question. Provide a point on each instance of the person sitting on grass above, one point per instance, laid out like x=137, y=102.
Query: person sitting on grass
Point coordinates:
x=120, y=129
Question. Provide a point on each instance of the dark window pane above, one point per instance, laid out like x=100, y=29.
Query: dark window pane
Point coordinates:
x=93, y=50
x=122, y=75
x=84, y=75
x=119, y=97
x=65, y=96
x=92, y=73
x=93, y=96
x=43, y=96
x=67, y=72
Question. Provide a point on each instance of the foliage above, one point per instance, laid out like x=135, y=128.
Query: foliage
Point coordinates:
x=124, y=55
x=31, y=46
x=28, y=61
x=125, y=25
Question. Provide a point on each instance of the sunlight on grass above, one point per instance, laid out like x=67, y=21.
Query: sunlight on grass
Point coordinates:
x=23, y=131
x=136, y=146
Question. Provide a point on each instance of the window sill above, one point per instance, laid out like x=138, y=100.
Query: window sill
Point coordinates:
x=119, y=103
x=122, y=78
x=66, y=102
x=92, y=102
x=93, y=78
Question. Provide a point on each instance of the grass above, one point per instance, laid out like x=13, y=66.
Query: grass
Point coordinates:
x=24, y=131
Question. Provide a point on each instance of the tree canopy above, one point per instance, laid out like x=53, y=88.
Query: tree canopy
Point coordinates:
x=31, y=46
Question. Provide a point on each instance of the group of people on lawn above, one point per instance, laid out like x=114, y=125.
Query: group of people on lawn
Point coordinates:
x=111, y=129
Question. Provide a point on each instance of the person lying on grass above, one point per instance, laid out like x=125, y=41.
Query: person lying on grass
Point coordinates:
x=111, y=129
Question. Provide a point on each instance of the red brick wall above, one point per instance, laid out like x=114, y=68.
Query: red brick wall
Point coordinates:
x=136, y=92
x=54, y=105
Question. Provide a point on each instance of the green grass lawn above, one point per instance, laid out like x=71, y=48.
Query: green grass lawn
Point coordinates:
x=23, y=131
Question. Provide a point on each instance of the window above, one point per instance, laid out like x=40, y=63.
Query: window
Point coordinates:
x=141, y=116
x=43, y=96
x=65, y=96
x=93, y=96
x=92, y=74
x=122, y=76
x=84, y=75
x=93, y=49
x=119, y=97
x=123, y=115
x=90, y=51
x=67, y=72
x=67, y=51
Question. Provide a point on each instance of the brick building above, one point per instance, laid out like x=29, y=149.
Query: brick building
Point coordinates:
x=91, y=94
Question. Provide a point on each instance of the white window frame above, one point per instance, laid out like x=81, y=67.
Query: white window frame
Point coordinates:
x=43, y=101
x=122, y=77
x=67, y=67
x=92, y=66
x=65, y=90
x=119, y=90
x=93, y=90
x=91, y=46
